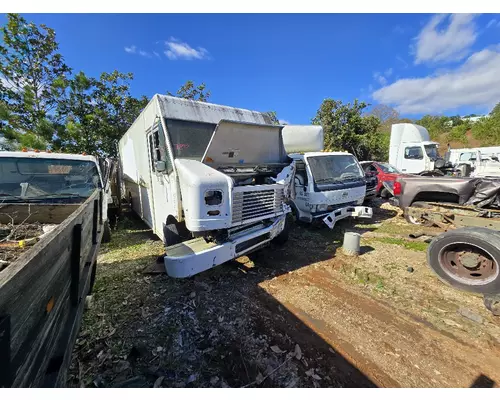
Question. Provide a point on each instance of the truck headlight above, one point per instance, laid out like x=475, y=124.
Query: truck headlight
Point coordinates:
x=213, y=197
x=322, y=207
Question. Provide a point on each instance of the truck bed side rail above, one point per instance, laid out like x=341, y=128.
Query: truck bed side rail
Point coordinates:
x=42, y=298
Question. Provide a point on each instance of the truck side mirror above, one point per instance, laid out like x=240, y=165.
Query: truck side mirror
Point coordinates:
x=160, y=166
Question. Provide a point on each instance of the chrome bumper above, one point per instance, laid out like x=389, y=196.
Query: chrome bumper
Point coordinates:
x=341, y=213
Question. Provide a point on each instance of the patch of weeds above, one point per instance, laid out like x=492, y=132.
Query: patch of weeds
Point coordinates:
x=416, y=246
x=391, y=266
x=380, y=285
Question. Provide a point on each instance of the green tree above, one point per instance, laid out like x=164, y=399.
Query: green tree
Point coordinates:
x=273, y=116
x=345, y=128
x=33, y=78
x=496, y=110
x=436, y=125
x=97, y=113
x=487, y=130
x=192, y=92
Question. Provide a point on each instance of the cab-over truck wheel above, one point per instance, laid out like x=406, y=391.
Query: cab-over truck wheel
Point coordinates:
x=468, y=259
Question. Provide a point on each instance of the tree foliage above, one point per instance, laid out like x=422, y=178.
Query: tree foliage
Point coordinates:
x=487, y=130
x=273, y=116
x=33, y=78
x=495, y=110
x=345, y=128
x=42, y=104
x=192, y=92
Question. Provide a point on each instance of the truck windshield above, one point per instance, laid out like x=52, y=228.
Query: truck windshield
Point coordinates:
x=189, y=139
x=47, y=180
x=335, y=168
x=432, y=151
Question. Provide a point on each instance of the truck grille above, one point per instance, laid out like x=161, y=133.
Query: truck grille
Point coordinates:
x=256, y=203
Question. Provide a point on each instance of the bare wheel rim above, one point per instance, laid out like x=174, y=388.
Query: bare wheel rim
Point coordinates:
x=468, y=263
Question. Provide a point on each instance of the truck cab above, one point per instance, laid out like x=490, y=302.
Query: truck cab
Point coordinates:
x=328, y=186
x=34, y=177
x=411, y=150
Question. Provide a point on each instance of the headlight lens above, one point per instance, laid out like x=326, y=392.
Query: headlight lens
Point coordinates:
x=322, y=207
x=213, y=197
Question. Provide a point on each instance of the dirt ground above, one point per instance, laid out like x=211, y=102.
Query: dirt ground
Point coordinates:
x=301, y=315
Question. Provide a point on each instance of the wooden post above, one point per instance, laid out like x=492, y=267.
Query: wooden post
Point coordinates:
x=94, y=222
x=100, y=207
x=5, y=363
x=75, y=264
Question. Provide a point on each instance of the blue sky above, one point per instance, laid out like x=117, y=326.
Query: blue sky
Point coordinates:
x=289, y=63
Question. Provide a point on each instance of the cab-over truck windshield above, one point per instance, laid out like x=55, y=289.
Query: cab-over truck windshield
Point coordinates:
x=334, y=168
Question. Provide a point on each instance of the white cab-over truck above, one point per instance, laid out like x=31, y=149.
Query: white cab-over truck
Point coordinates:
x=327, y=185
x=211, y=181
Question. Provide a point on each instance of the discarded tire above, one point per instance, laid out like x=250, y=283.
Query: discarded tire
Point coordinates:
x=467, y=259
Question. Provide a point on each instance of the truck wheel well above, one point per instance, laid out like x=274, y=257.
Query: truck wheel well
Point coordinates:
x=439, y=197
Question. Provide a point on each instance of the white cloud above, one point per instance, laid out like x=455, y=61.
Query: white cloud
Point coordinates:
x=175, y=49
x=132, y=49
x=475, y=83
x=382, y=81
x=388, y=72
x=452, y=42
x=283, y=122
x=491, y=23
x=145, y=54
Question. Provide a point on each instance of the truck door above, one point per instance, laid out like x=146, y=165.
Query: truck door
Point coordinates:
x=413, y=159
x=161, y=167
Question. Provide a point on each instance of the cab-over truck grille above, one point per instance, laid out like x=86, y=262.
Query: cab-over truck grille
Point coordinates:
x=253, y=203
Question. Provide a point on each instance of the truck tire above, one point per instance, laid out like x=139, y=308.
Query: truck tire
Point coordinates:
x=282, y=238
x=413, y=220
x=467, y=259
x=384, y=193
x=106, y=234
x=171, y=234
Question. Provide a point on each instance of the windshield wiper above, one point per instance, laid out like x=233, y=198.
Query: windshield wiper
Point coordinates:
x=10, y=196
x=57, y=195
x=323, y=180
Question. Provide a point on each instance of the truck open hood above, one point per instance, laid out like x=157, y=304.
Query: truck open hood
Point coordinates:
x=245, y=143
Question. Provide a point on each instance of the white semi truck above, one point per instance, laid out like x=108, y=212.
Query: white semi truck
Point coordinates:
x=212, y=181
x=411, y=150
x=327, y=185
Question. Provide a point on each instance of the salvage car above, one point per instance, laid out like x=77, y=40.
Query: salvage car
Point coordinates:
x=385, y=172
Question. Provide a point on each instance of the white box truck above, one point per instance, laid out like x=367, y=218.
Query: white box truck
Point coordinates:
x=211, y=181
x=327, y=185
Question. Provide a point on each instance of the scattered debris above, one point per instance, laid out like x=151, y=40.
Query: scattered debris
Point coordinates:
x=470, y=315
x=158, y=382
x=298, y=352
x=277, y=350
x=214, y=380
